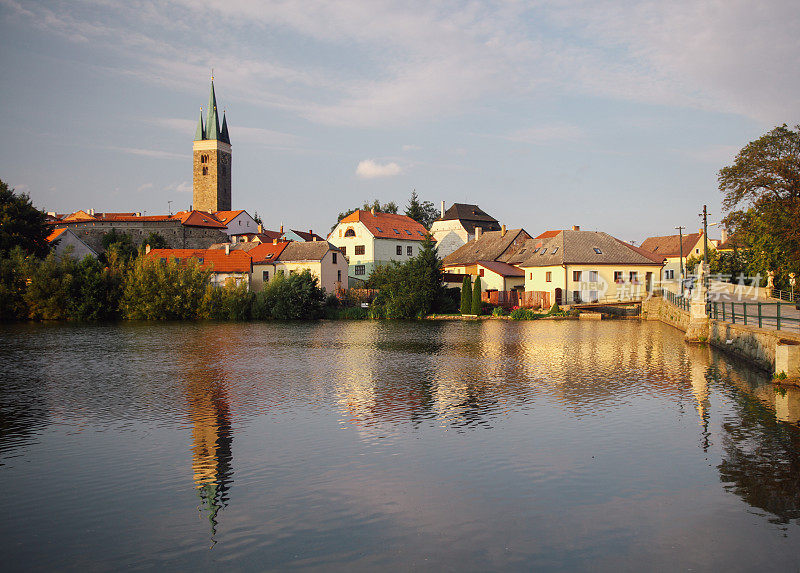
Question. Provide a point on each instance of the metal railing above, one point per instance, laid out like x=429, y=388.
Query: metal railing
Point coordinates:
x=786, y=295
x=777, y=315
x=681, y=302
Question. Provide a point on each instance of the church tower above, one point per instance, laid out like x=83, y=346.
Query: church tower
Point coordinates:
x=212, y=161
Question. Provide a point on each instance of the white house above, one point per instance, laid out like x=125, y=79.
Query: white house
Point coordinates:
x=65, y=241
x=459, y=225
x=370, y=239
x=237, y=222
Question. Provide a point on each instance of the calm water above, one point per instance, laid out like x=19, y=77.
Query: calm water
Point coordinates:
x=364, y=445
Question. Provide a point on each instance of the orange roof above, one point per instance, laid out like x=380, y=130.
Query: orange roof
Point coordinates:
x=388, y=225
x=226, y=216
x=198, y=219
x=548, y=234
x=267, y=252
x=54, y=235
x=214, y=260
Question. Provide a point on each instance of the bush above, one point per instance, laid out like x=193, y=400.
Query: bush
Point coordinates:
x=466, y=295
x=499, y=311
x=296, y=297
x=170, y=290
x=525, y=314
x=14, y=267
x=229, y=302
x=477, y=306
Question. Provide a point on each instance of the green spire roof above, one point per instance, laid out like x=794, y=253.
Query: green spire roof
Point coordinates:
x=200, y=134
x=212, y=122
x=223, y=135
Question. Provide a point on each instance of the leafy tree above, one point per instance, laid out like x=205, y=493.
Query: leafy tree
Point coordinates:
x=21, y=224
x=296, y=297
x=412, y=289
x=422, y=212
x=96, y=292
x=156, y=241
x=169, y=290
x=120, y=244
x=762, y=200
x=229, y=302
x=466, y=295
x=257, y=218
x=390, y=207
x=476, y=297
x=52, y=287
x=14, y=270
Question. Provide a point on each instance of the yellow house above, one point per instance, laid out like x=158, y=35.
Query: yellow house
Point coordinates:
x=486, y=257
x=669, y=247
x=589, y=266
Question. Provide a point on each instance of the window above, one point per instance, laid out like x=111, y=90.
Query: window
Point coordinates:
x=269, y=256
x=555, y=250
x=408, y=232
x=593, y=295
x=531, y=277
x=205, y=170
x=576, y=276
x=697, y=251
x=480, y=272
x=618, y=277
x=634, y=277
x=576, y=296
x=396, y=231
x=338, y=276
x=340, y=232
x=379, y=229
x=548, y=276
x=598, y=251
x=534, y=251
x=360, y=270
x=204, y=159
x=544, y=252
x=279, y=272
x=399, y=250
x=240, y=222
x=265, y=276
x=200, y=260
x=359, y=250
x=333, y=256
x=344, y=250
x=592, y=276
x=421, y=234
x=349, y=233
x=409, y=251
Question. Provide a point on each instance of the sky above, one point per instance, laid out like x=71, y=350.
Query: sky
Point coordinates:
x=611, y=115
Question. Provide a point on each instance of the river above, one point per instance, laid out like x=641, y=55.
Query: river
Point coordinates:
x=364, y=445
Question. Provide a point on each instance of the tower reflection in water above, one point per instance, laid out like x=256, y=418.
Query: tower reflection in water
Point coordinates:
x=212, y=468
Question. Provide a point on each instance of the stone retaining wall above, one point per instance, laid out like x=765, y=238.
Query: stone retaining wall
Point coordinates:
x=660, y=309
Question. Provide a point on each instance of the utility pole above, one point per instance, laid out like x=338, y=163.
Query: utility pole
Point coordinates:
x=704, y=214
x=680, y=239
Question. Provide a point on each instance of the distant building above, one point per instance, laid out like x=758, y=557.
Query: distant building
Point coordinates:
x=212, y=161
x=65, y=241
x=184, y=230
x=459, y=225
x=226, y=266
x=322, y=259
x=370, y=239
x=669, y=248
x=236, y=222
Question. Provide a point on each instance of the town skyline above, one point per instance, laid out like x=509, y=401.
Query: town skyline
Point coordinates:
x=616, y=120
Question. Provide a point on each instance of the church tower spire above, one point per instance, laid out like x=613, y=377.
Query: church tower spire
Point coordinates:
x=212, y=158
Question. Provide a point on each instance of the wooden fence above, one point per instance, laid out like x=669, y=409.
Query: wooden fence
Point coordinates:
x=511, y=298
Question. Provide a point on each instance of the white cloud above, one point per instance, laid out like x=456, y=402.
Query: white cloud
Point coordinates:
x=144, y=187
x=369, y=169
x=179, y=187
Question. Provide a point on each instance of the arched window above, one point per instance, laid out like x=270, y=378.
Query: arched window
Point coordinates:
x=349, y=233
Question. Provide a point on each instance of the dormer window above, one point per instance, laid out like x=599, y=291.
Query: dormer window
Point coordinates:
x=269, y=256
x=396, y=231
x=349, y=233
x=379, y=229
x=555, y=250
x=598, y=251
x=408, y=232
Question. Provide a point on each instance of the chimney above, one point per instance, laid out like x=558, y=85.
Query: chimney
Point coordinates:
x=314, y=238
x=138, y=213
x=700, y=231
x=261, y=228
x=274, y=241
x=478, y=231
x=724, y=235
x=281, y=228
x=372, y=211
x=442, y=209
x=91, y=212
x=227, y=248
x=146, y=249
x=503, y=231
x=311, y=231
x=576, y=227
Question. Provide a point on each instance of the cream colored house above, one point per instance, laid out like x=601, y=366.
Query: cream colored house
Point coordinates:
x=589, y=266
x=488, y=256
x=321, y=258
x=669, y=247
x=458, y=225
x=369, y=239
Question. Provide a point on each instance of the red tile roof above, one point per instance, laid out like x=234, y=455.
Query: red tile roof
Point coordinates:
x=54, y=235
x=214, y=260
x=388, y=225
x=227, y=216
x=266, y=252
x=198, y=219
x=669, y=245
x=502, y=269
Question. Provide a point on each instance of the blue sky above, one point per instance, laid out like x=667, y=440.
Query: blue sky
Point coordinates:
x=614, y=116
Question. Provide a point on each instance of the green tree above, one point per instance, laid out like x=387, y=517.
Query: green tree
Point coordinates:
x=14, y=270
x=156, y=241
x=120, y=244
x=168, y=290
x=476, y=297
x=296, y=297
x=422, y=212
x=228, y=302
x=53, y=286
x=257, y=218
x=466, y=295
x=762, y=201
x=21, y=224
x=96, y=292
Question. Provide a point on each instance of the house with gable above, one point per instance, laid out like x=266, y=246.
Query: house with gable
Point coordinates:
x=66, y=242
x=369, y=239
x=458, y=225
x=669, y=248
x=236, y=222
x=586, y=266
x=490, y=256
x=225, y=265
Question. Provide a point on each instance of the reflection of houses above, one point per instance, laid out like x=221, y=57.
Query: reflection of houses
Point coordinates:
x=585, y=266
x=65, y=241
x=370, y=239
x=211, y=446
x=460, y=224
